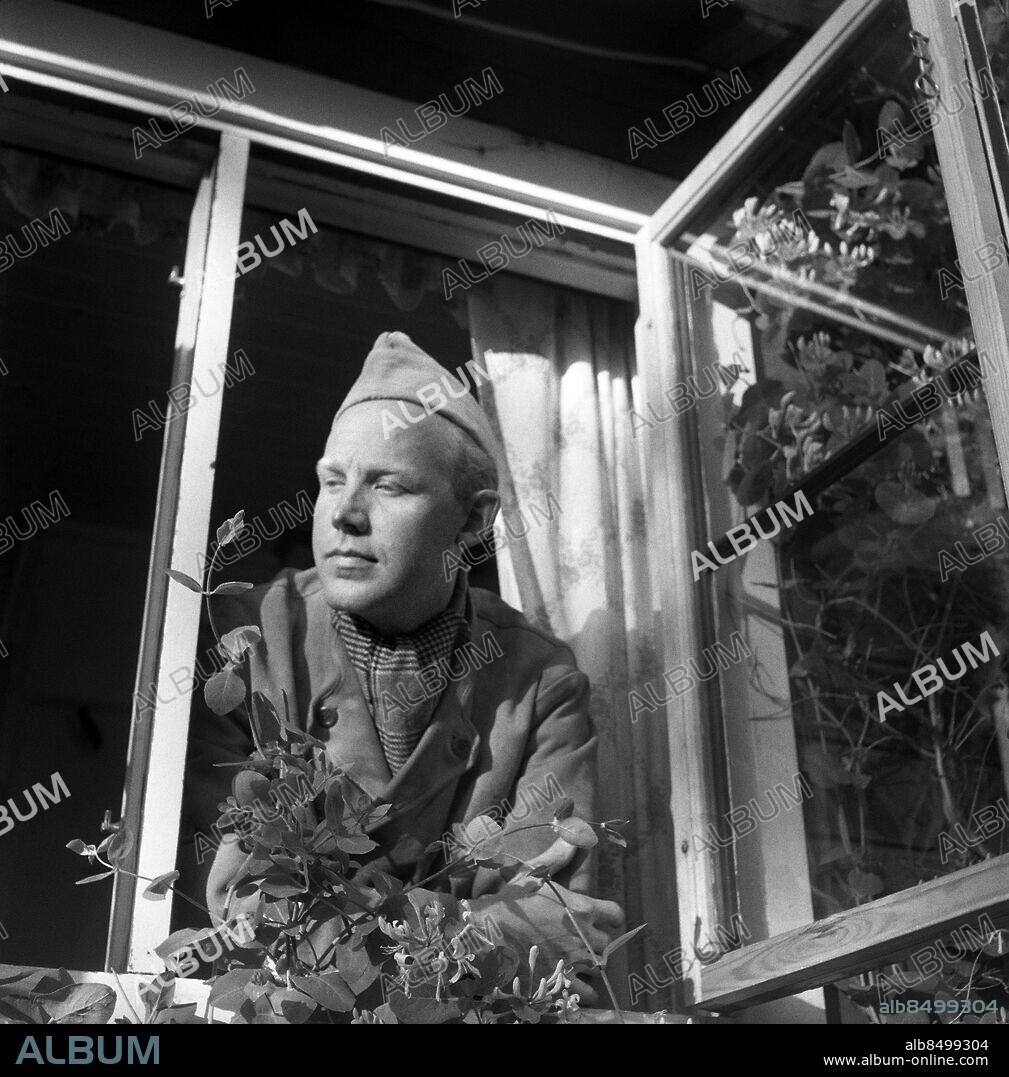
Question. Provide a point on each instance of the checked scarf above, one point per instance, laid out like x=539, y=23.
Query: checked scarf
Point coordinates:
x=400, y=703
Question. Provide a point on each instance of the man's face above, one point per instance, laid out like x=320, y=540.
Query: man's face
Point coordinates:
x=385, y=516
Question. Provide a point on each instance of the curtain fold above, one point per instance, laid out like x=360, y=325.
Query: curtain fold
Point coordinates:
x=576, y=558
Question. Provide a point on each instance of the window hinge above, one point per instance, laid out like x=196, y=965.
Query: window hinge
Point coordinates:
x=924, y=83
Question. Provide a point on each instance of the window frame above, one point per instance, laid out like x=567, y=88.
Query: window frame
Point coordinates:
x=810, y=954
x=152, y=809
x=110, y=61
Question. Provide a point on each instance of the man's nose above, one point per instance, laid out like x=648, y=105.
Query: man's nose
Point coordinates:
x=350, y=511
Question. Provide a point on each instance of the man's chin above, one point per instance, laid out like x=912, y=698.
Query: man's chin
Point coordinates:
x=350, y=597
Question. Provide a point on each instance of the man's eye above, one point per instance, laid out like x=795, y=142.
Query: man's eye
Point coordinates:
x=390, y=487
x=332, y=483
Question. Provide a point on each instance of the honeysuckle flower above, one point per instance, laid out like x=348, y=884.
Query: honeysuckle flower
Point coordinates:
x=814, y=356
x=900, y=223
x=748, y=222
x=433, y=949
x=551, y=994
x=794, y=242
x=770, y=231
x=906, y=364
x=567, y=1005
x=844, y=267
x=948, y=354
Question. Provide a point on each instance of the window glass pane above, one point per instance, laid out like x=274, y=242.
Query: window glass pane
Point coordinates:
x=309, y=305
x=89, y=322
x=826, y=299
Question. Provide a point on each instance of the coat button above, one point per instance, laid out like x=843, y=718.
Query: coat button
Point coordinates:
x=459, y=746
x=328, y=714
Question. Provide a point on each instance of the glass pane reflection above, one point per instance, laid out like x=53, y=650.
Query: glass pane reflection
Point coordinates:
x=837, y=257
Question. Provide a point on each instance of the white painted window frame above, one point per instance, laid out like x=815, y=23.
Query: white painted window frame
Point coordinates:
x=795, y=959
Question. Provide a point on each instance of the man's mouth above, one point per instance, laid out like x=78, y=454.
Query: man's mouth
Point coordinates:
x=350, y=555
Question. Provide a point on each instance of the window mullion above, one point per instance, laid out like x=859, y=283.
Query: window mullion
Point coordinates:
x=973, y=204
x=152, y=799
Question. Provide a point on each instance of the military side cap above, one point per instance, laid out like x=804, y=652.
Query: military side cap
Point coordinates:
x=397, y=370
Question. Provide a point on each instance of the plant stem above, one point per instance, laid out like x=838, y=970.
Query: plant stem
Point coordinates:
x=948, y=803
x=126, y=998
x=217, y=635
x=464, y=859
x=144, y=878
x=596, y=963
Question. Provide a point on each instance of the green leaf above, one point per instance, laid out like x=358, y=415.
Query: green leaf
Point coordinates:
x=186, y=581
x=329, y=990
x=183, y=1014
x=285, y=863
x=231, y=529
x=889, y=115
x=621, y=941
x=228, y=992
x=281, y=886
x=120, y=845
x=334, y=808
x=475, y=849
x=234, y=588
x=291, y=1004
x=158, y=887
x=854, y=178
x=265, y=717
x=576, y=832
x=355, y=844
x=95, y=878
x=77, y=846
x=79, y=1004
x=417, y=1010
x=904, y=504
x=156, y=995
x=356, y=968
x=239, y=640
x=18, y=1003
x=36, y=981
x=224, y=691
x=181, y=940
x=250, y=786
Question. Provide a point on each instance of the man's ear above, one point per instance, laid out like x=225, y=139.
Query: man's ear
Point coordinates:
x=483, y=507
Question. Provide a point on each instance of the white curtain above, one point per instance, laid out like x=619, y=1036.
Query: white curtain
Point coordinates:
x=562, y=370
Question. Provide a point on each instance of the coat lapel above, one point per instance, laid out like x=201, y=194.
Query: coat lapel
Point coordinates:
x=353, y=741
x=423, y=791
x=446, y=750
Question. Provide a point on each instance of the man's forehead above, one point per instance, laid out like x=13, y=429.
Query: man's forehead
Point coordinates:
x=359, y=436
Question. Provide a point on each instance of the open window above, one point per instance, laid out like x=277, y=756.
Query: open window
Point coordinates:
x=368, y=230
x=815, y=277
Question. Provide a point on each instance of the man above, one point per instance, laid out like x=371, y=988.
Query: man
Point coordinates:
x=439, y=698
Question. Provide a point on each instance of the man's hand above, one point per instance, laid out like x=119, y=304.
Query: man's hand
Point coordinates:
x=541, y=919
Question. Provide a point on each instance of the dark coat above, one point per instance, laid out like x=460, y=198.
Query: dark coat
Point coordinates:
x=509, y=739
